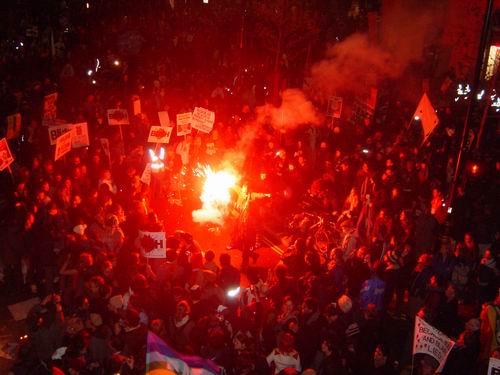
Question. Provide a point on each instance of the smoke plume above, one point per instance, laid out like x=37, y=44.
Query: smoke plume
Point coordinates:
x=355, y=63
x=295, y=110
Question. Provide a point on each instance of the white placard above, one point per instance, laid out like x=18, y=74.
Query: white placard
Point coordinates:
x=203, y=120
x=118, y=117
x=153, y=244
x=159, y=134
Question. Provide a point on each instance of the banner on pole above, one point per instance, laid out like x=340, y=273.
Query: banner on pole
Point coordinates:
x=494, y=367
x=164, y=119
x=334, y=108
x=427, y=115
x=118, y=117
x=153, y=244
x=184, y=123
x=429, y=340
x=63, y=145
x=203, y=120
x=13, y=126
x=6, y=157
x=49, y=109
x=159, y=134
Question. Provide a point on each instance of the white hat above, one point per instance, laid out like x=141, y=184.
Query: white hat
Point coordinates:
x=80, y=229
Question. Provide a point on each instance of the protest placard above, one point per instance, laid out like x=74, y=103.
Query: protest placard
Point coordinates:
x=159, y=134
x=494, y=367
x=49, y=109
x=153, y=244
x=428, y=340
x=6, y=157
x=13, y=126
x=146, y=174
x=184, y=123
x=56, y=131
x=203, y=120
x=80, y=135
x=334, y=108
x=118, y=117
x=164, y=119
x=63, y=144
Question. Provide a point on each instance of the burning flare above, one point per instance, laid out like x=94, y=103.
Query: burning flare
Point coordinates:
x=215, y=196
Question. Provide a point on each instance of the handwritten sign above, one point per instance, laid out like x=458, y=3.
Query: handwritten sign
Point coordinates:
x=428, y=340
x=184, y=123
x=63, y=145
x=49, y=109
x=203, y=120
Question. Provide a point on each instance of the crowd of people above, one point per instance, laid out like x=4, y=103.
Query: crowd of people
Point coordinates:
x=69, y=229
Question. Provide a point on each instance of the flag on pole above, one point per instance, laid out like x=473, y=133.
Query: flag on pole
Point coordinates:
x=428, y=340
x=163, y=360
x=427, y=115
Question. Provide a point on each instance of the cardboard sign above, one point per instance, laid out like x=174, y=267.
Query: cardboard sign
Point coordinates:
x=146, y=175
x=153, y=244
x=164, y=119
x=6, y=157
x=13, y=126
x=184, y=123
x=118, y=117
x=80, y=135
x=159, y=134
x=50, y=110
x=334, y=108
x=494, y=367
x=63, y=145
x=203, y=120
x=428, y=340
x=56, y=131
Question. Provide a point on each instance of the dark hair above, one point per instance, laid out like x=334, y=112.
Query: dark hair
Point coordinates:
x=311, y=303
x=209, y=255
x=225, y=259
x=132, y=317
